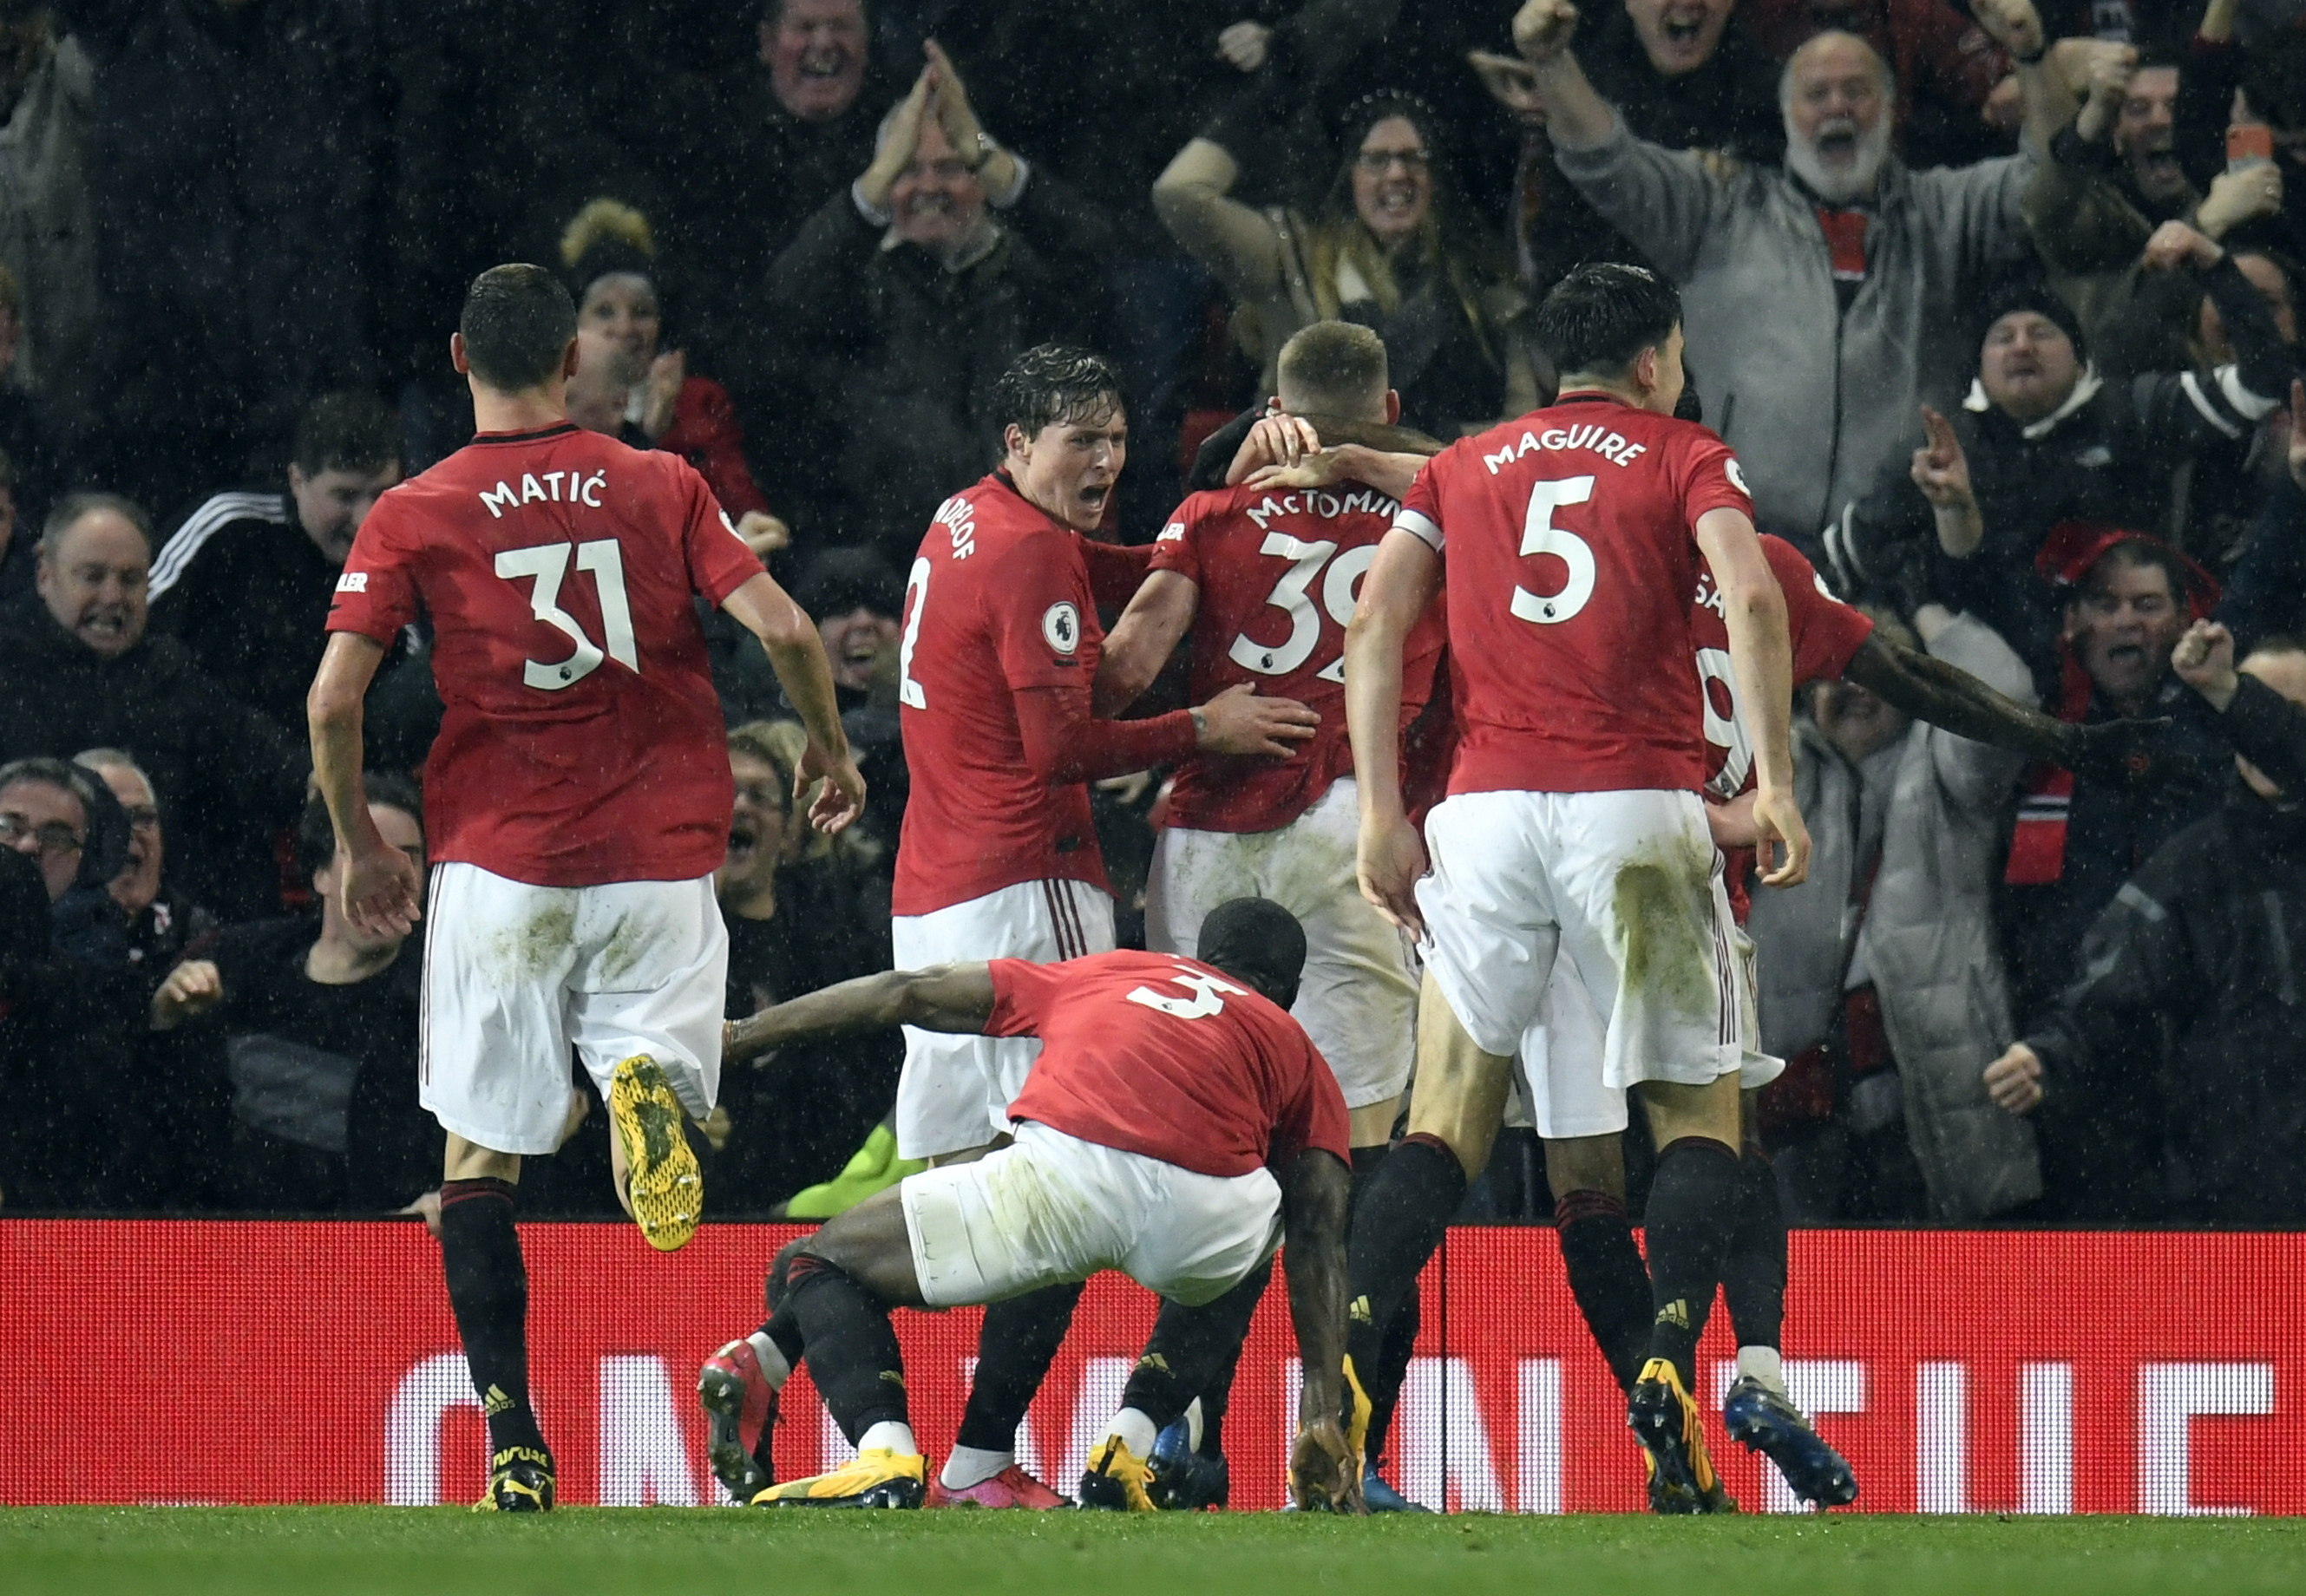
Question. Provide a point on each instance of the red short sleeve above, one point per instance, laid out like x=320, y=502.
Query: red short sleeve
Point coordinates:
x=1420, y=506
x=1706, y=477
x=719, y=563
x=1041, y=613
x=376, y=592
x=1826, y=633
x=1178, y=547
x=1021, y=991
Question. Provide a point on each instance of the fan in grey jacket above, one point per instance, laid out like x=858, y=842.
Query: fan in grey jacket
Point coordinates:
x=1899, y=898
x=1823, y=298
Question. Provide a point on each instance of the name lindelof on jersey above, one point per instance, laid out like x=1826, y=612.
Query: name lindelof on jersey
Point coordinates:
x=958, y=516
x=1590, y=436
x=1361, y=501
x=545, y=486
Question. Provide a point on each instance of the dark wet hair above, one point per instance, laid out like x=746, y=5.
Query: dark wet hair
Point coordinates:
x=1597, y=320
x=517, y=323
x=1053, y=383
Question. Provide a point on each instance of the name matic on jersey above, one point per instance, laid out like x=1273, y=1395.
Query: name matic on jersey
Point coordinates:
x=1611, y=446
x=582, y=490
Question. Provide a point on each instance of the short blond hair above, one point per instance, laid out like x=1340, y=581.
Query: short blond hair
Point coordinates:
x=1333, y=368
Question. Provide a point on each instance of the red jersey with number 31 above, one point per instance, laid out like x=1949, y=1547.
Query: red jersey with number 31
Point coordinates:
x=996, y=603
x=582, y=742
x=1167, y=1057
x=1278, y=571
x=1569, y=551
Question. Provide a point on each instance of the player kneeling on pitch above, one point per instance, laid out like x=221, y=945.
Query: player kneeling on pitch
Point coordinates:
x=1176, y=1123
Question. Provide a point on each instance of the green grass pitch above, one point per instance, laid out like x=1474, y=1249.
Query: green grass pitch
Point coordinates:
x=378, y=1551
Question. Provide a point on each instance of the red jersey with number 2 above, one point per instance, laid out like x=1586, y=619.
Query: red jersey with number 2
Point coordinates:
x=581, y=741
x=1278, y=571
x=997, y=603
x=1167, y=1057
x=1826, y=635
x=1569, y=554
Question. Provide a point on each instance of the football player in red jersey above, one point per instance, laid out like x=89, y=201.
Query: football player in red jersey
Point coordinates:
x=1570, y=541
x=1175, y=1118
x=578, y=799
x=1263, y=581
x=1581, y=1119
x=996, y=856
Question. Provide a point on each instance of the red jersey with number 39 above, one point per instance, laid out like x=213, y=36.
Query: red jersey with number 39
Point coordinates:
x=997, y=603
x=1278, y=573
x=1167, y=1057
x=581, y=741
x=1570, y=555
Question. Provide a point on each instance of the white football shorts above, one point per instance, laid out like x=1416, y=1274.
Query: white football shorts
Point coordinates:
x=515, y=975
x=1358, y=998
x=1557, y=1086
x=1626, y=886
x=1051, y=1208
x=955, y=1091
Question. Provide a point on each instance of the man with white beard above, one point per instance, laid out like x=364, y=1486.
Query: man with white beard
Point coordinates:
x=1818, y=297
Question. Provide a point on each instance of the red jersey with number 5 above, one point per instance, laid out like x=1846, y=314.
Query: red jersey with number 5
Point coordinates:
x=1569, y=557
x=996, y=603
x=1167, y=1057
x=581, y=741
x=1278, y=571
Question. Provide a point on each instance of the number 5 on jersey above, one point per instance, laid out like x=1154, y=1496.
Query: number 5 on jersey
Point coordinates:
x=1540, y=535
x=546, y=564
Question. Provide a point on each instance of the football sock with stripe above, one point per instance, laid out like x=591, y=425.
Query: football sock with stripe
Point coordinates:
x=1403, y=1211
x=1693, y=1207
x=1014, y=1349
x=851, y=1345
x=488, y=1291
x=1754, y=1275
x=1607, y=1277
x=1193, y=1353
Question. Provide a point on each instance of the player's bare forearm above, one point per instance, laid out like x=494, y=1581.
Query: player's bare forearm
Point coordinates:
x=1930, y=689
x=1159, y=615
x=1760, y=654
x=335, y=713
x=1400, y=583
x=795, y=654
x=1314, y=1205
x=957, y=998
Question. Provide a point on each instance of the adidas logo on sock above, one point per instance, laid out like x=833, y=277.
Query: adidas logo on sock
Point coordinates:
x=1675, y=1313
x=494, y=1401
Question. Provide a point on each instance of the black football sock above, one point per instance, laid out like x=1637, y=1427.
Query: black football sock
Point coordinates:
x=1607, y=1277
x=851, y=1348
x=1399, y=1221
x=1754, y=1275
x=1193, y=1353
x=1014, y=1349
x=488, y=1290
x=1693, y=1208
x=1384, y=1388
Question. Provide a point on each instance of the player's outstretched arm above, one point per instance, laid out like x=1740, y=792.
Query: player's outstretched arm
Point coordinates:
x=1157, y=618
x=1760, y=654
x=1400, y=583
x=945, y=997
x=1316, y=1193
x=381, y=885
x=1945, y=694
x=797, y=653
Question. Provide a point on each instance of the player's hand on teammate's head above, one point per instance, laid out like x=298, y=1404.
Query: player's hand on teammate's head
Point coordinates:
x=1322, y=1478
x=1243, y=721
x=1542, y=28
x=1389, y=859
x=1277, y=439
x=841, y=798
x=1778, y=823
x=1323, y=468
x=379, y=889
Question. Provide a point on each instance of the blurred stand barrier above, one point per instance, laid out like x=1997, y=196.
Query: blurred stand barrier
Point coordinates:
x=2028, y=1372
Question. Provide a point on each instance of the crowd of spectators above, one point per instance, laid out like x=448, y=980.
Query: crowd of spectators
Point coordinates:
x=1997, y=305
